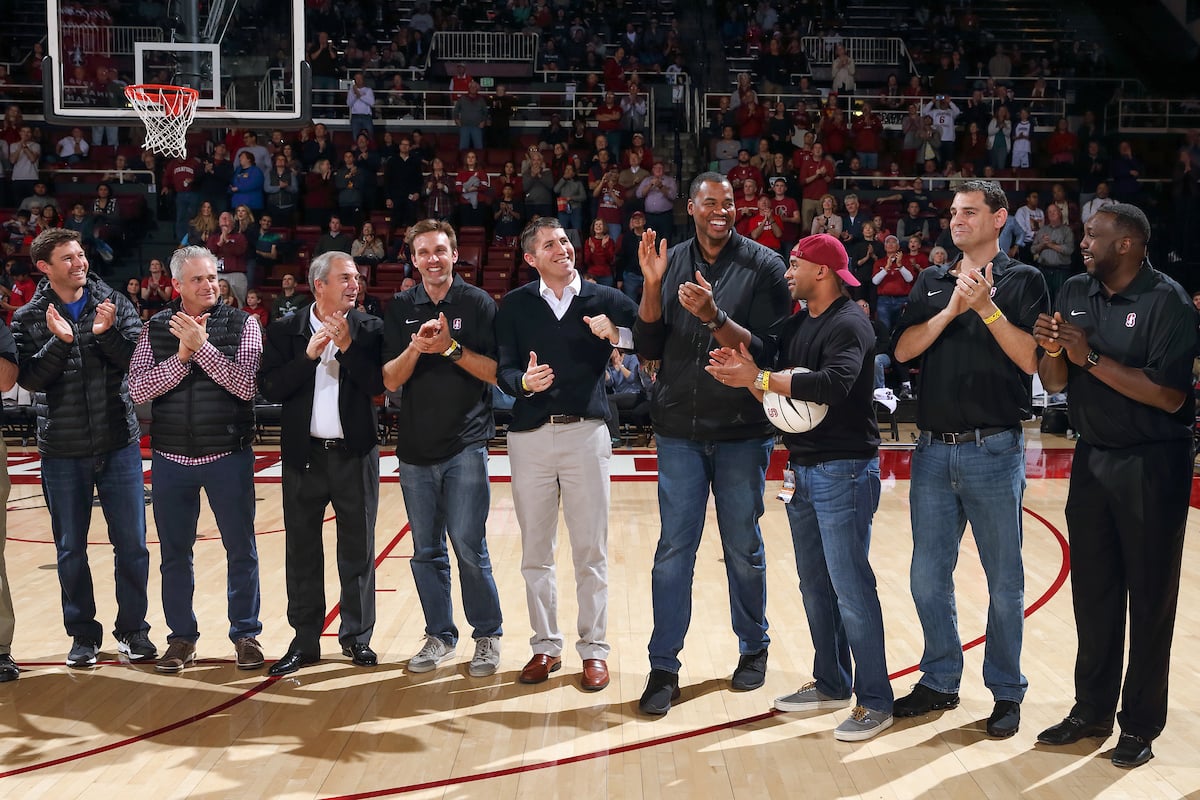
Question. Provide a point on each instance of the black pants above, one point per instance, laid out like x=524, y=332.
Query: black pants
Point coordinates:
x=351, y=484
x=1126, y=513
x=624, y=401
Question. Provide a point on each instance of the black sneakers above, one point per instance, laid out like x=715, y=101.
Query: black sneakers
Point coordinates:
x=751, y=671
x=136, y=646
x=661, y=688
x=922, y=700
x=1005, y=719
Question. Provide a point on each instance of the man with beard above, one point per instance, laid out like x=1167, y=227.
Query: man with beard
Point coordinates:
x=1128, y=334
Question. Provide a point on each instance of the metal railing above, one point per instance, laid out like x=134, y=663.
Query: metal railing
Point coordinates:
x=433, y=109
x=483, y=46
x=865, y=50
x=872, y=188
x=1049, y=110
x=1156, y=115
x=216, y=12
x=110, y=39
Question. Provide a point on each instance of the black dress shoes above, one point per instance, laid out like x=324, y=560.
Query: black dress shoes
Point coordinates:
x=1005, y=719
x=1072, y=729
x=291, y=661
x=1131, y=751
x=361, y=654
x=8, y=669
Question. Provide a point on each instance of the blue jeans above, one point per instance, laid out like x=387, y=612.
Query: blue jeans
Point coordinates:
x=830, y=515
x=67, y=484
x=982, y=483
x=362, y=123
x=735, y=471
x=631, y=284
x=470, y=138
x=882, y=362
x=571, y=220
x=452, y=498
x=868, y=160
x=888, y=308
x=229, y=484
x=187, y=205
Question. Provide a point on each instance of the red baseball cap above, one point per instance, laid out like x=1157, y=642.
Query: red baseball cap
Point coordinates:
x=827, y=251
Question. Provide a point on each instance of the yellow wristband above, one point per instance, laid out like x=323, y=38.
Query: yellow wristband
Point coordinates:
x=524, y=385
x=993, y=317
x=766, y=381
x=1056, y=354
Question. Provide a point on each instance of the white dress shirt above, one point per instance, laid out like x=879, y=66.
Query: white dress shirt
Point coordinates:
x=326, y=422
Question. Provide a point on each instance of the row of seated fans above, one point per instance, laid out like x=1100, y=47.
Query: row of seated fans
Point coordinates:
x=492, y=266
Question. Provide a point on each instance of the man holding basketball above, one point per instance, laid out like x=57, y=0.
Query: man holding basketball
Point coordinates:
x=833, y=483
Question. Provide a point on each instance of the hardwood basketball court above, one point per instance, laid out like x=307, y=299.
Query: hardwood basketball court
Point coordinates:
x=334, y=730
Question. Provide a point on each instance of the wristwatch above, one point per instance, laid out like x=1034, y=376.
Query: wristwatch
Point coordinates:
x=454, y=351
x=718, y=321
x=1093, y=358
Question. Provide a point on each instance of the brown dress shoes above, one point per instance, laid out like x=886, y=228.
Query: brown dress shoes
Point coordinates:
x=539, y=668
x=595, y=675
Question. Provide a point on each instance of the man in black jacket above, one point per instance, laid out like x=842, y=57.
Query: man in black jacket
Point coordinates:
x=555, y=335
x=74, y=340
x=324, y=365
x=198, y=361
x=720, y=289
x=402, y=177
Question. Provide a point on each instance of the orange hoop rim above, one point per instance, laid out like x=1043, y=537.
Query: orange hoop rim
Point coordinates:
x=175, y=99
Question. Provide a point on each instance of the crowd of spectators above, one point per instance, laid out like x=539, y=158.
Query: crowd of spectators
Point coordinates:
x=798, y=154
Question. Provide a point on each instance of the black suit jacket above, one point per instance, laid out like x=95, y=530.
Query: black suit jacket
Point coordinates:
x=288, y=375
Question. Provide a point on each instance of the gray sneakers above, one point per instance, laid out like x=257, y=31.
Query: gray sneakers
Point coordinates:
x=862, y=724
x=807, y=698
x=83, y=654
x=432, y=655
x=486, y=659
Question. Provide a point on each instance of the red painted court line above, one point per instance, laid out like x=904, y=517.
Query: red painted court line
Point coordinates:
x=198, y=717
x=1054, y=588
x=613, y=751
x=142, y=737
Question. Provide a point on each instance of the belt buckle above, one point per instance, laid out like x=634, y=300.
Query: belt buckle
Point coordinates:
x=331, y=444
x=951, y=438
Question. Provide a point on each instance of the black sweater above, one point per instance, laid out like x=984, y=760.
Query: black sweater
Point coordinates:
x=837, y=346
x=578, y=357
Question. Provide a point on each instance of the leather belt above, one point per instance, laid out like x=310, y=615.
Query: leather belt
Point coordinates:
x=564, y=419
x=328, y=444
x=967, y=436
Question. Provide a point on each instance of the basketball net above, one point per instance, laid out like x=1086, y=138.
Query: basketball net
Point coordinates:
x=167, y=113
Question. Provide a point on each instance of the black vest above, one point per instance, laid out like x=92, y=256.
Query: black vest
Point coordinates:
x=198, y=417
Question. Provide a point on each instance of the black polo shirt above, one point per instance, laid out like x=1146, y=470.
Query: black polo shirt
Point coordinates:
x=1151, y=326
x=443, y=408
x=966, y=380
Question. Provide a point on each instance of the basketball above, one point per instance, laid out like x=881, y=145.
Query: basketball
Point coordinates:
x=791, y=415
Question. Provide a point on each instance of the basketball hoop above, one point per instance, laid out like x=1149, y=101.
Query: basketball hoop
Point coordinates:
x=167, y=113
